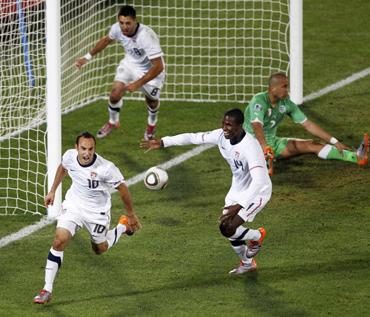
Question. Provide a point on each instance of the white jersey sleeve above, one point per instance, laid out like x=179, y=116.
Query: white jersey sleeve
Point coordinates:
x=68, y=159
x=149, y=41
x=113, y=177
x=114, y=33
x=210, y=137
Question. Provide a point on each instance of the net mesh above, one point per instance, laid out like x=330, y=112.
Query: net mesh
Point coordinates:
x=214, y=51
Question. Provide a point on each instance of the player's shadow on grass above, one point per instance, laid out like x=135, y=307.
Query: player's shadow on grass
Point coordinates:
x=264, y=299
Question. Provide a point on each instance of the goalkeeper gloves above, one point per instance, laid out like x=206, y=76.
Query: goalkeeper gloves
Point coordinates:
x=269, y=152
x=269, y=156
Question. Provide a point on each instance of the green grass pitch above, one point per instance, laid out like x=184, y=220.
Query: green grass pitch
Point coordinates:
x=316, y=256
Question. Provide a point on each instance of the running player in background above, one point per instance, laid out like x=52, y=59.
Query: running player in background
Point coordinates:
x=87, y=204
x=250, y=189
x=267, y=109
x=141, y=68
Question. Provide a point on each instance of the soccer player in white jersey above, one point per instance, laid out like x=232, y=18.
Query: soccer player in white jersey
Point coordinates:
x=250, y=188
x=141, y=68
x=87, y=204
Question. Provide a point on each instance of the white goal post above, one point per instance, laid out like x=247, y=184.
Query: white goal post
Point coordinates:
x=215, y=51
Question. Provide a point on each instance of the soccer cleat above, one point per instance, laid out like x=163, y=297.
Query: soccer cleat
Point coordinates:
x=363, y=151
x=244, y=268
x=42, y=297
x=149, y=132
x=255, y=246
x=123, y=220
x=107, y=129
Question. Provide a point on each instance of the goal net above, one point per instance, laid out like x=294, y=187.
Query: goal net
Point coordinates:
x=217, y=51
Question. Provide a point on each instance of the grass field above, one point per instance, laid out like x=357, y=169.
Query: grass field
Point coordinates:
x=315, y=261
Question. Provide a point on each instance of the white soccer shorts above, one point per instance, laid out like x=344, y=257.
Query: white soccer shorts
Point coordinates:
x=128, y=72
x=73, y=219
x=252, y=208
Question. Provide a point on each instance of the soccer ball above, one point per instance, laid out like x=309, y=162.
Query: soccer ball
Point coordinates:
x=155, y=178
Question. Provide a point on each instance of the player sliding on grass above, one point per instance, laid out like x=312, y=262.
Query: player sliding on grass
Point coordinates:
x=250, y=189
x=267, y=109
x=141, y=68
x=87, y=204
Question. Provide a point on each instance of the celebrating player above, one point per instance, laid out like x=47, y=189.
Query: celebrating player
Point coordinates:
x=87, y=204
x=250, y=189
x=141, y=68
x=267, y=109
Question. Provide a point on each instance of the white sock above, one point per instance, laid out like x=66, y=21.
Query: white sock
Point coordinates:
x=153, y=115
x=241, y=251
x=53, y=263
x=324, y=151
x=243, y=234
x=114, y=110
x=114, y=234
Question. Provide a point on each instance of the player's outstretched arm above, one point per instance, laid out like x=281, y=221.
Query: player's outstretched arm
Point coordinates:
x=316, y=130
x=133, y=221
x=102, y=44
x=59, y=175
x=151, y=144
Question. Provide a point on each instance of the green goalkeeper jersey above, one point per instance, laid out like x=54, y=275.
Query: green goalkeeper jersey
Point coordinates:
x=261, y=110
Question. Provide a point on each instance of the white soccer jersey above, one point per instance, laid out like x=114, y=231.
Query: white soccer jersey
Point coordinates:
x=246, y=160
x=91, y=185
x=140, y=48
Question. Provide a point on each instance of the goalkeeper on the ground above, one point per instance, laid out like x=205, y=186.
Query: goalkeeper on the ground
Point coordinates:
x=267, y=109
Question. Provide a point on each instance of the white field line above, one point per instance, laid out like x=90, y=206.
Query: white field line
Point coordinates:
x=132, y=181
x=337, y=85
x=181, y=158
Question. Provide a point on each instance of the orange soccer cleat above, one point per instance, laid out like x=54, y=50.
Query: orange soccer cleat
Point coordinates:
x=123, y=220
x=255, y=246
x=363, y=151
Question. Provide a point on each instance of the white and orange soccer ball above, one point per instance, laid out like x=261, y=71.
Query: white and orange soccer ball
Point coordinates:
x=155, y=178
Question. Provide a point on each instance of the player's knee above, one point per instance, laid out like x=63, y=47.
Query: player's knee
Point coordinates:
x=153, y=104
x=58, y=244
x=99, y=249
x=115, y=96
x=226, y=229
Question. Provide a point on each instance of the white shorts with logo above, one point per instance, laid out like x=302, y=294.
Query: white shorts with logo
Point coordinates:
x=73, y=218
x=127, y=72
x=251, y=209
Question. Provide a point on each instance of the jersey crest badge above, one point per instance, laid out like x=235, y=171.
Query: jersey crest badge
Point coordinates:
x=282, y=109
x=257, y=107
x=237, y=154
x=93, y=174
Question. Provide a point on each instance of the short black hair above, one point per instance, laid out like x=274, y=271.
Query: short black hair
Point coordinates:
x=237, y=114
x=86, y=135
x=127, y=11
x=275, y=77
